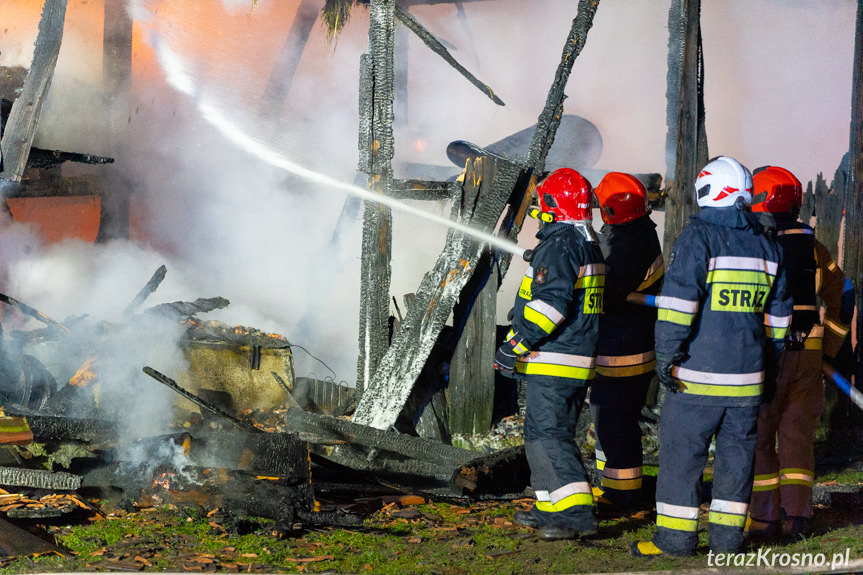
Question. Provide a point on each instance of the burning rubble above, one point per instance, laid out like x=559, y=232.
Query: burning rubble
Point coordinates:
x=244, y=434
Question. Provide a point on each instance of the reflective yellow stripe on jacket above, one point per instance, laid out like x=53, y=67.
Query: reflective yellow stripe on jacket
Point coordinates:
x=556, y=365
x=719, y=384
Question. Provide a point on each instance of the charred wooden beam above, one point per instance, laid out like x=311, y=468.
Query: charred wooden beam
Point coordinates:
x=47, y=159
x=435, y=45
x=32, y=312
x=151, y=286
x=437, y=294
x=424, y=190
x=52, y=428
x=39, y=479
x=549, y=118
x=170, y=383
x=21, y=126
x=181, y=309
x=853, y=239
x=377, y=150
x=686, y=142
x=417, y=448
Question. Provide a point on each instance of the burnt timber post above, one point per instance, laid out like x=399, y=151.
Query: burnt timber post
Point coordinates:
x=376, y=151
x=686, y=141
x=853, y=242
x=471, y=377
x=21, y=125
x=116, y=80
x=437, y=293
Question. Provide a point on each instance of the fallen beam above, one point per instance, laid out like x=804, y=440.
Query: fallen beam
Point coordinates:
x=39, y=479
x=333, y=429
x=168, y=382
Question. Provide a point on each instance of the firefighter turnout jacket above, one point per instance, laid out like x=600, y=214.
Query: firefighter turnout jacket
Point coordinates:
x=633, y=259
x=723, y=294
x=812, y=274
x=558, y=304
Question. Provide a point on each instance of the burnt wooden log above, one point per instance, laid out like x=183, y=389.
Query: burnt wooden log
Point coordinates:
x=170, y=383
x=39, y=479
x=686, y=142
x=155, y=281
x=21, y=126
x=184, y=309
x=505, y=471
x=853, y=239
x=436, y=296
x=417, y=448
x=47, y=428
x=376, y=154
x=32, y=312
x=439, y=49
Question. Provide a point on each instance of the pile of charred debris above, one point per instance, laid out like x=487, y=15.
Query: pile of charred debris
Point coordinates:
x=244, y=435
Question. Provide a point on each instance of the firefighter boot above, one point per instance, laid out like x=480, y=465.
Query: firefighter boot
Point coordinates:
x=527, y=518
x=796, y=527
x=580, y=528
x=650, y=550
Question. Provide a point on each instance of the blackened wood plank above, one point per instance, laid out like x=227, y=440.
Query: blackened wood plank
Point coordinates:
x=21, y=126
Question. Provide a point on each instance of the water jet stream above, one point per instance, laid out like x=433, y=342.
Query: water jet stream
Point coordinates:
x=181, y=81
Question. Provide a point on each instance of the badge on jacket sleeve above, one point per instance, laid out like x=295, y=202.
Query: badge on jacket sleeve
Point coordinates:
x=540, y=275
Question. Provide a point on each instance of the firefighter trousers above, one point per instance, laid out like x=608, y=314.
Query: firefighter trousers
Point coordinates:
x=615, y=406
x=785, y=454
x=563, y=493
x=685, y=433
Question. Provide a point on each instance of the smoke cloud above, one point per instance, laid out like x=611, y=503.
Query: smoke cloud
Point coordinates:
x=227, y=223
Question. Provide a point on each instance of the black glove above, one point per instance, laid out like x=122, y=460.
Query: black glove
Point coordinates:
x=664, y=365
x=504, y=359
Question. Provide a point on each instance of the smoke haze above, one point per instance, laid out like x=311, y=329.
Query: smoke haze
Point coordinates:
x=778, y=87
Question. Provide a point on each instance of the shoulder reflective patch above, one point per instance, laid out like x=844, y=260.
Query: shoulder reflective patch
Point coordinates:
x=524, y=291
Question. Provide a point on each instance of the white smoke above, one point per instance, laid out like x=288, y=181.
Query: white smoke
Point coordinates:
x=231, y=225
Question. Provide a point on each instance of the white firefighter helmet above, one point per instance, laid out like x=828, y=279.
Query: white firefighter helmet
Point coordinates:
x=721, y=182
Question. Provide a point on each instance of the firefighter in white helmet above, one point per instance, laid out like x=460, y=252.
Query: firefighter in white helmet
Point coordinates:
x=723, y=301
x=551, y=344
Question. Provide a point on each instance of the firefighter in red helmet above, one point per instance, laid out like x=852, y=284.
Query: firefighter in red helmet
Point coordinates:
x=782, y=491
x=555, y=322
x=625, y=359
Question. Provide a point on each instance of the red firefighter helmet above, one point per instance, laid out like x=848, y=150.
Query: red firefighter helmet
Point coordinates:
x=567, y=195
x=622, y=198
x=776, y=190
